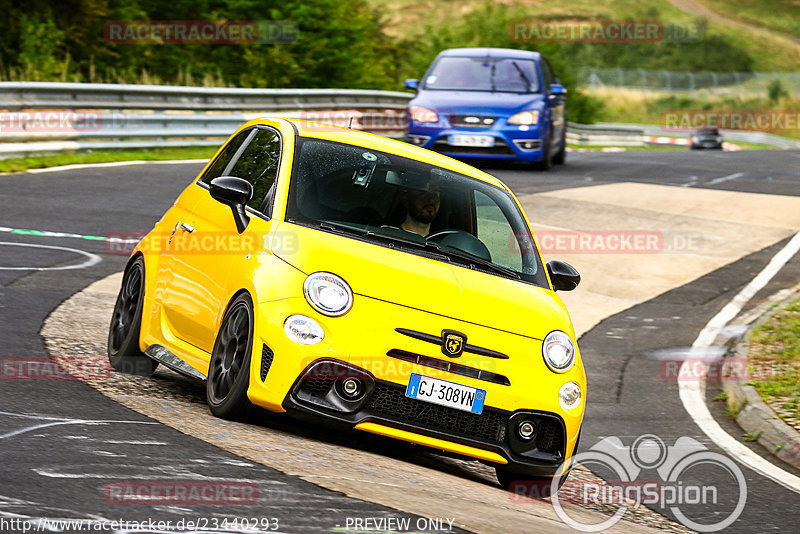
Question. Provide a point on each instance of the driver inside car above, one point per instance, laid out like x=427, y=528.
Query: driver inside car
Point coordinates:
x=421, y=209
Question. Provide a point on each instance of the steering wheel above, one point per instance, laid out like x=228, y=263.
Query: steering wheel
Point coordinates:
x=464, y=241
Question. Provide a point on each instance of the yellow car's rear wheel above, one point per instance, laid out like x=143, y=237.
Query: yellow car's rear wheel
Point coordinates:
x=229, y=369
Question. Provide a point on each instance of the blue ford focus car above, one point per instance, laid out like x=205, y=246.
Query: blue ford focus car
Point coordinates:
x=490, y=103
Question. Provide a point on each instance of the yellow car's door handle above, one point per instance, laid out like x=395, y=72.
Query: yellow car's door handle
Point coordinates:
x=188, y=228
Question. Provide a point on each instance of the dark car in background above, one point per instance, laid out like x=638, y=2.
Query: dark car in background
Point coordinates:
x=491, y=103
x=706, y=138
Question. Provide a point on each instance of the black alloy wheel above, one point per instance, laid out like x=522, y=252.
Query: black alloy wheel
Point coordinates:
x=126, y=321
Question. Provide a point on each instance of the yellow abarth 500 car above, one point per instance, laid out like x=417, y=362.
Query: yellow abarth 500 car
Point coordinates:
x=363, y=282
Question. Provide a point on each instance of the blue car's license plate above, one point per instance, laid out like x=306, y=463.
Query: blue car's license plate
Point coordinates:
x=486, y=141
x=446, y=393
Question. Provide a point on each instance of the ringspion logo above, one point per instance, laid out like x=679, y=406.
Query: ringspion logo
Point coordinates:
x=705, y=490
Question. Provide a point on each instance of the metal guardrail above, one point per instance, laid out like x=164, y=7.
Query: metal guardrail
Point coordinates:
x=653, y=130
x=46, y=95
x=108, y=116
x=605, y=134
x=53, y=117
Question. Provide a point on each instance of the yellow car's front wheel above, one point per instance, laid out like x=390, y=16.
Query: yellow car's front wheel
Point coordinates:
x=229, y=369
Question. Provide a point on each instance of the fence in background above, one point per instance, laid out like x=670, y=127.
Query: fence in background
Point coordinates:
x=686, y=81
x=44, y=118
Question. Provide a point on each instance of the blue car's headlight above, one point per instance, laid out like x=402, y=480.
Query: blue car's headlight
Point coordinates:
x=420, y=114
x=528, y=118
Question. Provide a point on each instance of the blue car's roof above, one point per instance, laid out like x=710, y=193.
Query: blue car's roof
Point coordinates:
x=506, y=53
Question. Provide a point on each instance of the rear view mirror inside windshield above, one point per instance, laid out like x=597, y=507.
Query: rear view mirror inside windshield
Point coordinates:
x=408, y=180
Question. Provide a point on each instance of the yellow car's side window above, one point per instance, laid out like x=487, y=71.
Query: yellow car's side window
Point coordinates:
x=258, y=164
x=496, y=233
x=253, y=155
x=226, y=157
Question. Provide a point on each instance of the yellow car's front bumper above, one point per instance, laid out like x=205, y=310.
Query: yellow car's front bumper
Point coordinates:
x=372, y=342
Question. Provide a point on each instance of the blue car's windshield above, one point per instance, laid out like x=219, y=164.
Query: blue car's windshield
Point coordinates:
x=483, y=74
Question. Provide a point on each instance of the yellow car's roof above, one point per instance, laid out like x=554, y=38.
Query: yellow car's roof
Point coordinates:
x=399, y=148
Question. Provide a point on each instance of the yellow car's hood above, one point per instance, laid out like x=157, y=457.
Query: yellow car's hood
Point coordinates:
x=425, y=284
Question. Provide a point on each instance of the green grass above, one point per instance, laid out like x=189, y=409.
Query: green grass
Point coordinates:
x=38, y=162
x=778, y=15
x=771, y=52
x=646, y=106
x=631, y=148
x=752, y=436
x=774, y=358
x=673, y=148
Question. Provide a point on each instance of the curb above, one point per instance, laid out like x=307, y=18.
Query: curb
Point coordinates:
x=753, y=415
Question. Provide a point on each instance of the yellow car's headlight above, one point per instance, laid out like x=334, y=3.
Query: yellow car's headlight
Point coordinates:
x=558, y=351
x=528, y=118
x=421, y=114
x=328, y=294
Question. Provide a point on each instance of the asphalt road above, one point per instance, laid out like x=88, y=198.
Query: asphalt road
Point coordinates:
x=45, y=469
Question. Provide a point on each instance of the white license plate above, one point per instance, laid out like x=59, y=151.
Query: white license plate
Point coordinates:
x=446, y=393
x=471, y=140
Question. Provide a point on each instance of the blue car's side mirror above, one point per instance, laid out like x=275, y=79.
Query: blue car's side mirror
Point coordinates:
x=412, y=83
x=557, y=89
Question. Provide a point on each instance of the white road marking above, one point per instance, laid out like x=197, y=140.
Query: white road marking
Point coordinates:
x=78, y=166
x=56, y=421
x=725, y=178
x=691, y=182
x=692, y=393
x=91, y=259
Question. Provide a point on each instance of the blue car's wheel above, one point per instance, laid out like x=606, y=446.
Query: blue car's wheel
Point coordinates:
x=547, y=153
x=561, y=156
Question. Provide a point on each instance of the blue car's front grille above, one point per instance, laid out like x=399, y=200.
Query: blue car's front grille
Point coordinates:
x=472, y=121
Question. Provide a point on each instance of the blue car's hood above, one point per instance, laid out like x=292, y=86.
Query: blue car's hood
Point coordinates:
x=476, y=102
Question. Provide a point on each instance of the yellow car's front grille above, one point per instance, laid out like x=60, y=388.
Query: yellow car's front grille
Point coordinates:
x=389, y=400
x=449, y=366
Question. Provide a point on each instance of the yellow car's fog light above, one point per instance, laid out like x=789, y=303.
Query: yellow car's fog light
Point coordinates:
x=558, y=351
x=303, y=330
x=569, y=396
x=328, y=294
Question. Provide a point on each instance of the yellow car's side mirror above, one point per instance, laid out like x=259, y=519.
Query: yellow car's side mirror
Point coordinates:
x=563, y=275
x=236, y=193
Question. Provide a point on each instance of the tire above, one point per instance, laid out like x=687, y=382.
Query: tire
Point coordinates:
x=521, y=484
x=229, y=369
x=547, y=159
x=126, y=322
x=561, y=156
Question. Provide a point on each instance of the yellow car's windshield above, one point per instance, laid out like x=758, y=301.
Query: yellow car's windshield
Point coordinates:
x=412, y=206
